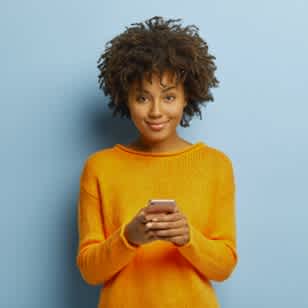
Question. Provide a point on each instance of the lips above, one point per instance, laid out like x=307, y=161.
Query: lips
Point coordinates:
x=153, y=123
x=157, y=126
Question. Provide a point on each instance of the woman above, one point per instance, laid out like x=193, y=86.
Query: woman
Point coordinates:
x=157, y=74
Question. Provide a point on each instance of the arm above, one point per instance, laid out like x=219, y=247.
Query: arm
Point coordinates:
x=214, y=254
x=98, y=258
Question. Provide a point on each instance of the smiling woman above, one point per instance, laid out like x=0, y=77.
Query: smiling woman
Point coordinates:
x=157, y=74
x=148, y=58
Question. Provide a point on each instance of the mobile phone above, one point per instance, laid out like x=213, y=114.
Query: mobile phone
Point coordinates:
x=161, y=206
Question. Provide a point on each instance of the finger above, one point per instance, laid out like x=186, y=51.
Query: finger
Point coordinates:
x=163, y=216
x=177, y=240
x=171, y=232
x=166, y=225
x=141, y=210
x=154, y=217
x=167, y=217
x=151, y=235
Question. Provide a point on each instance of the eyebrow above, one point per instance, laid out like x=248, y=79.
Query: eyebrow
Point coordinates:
x=164, y=90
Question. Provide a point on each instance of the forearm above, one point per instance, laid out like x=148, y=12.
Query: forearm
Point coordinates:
x=215, y=259
x=98, y=261
x=99, y=257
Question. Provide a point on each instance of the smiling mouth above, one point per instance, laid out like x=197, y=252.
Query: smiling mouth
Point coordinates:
x=157, y=126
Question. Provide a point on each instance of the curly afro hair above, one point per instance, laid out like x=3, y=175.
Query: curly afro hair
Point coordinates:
x=157, y=45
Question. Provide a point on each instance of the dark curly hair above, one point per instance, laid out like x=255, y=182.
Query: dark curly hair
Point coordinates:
x=157, y=45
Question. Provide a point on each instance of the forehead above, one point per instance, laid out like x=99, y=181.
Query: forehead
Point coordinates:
x=167, y=79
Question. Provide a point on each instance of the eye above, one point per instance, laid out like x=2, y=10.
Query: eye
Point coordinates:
x=141, y=98
x=170, y=98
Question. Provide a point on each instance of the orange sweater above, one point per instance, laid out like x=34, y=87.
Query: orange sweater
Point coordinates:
x=115, y=183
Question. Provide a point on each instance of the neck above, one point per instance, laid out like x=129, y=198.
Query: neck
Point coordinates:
x=175, y=143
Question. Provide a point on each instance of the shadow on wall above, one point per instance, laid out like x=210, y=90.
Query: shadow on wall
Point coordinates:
x=99, y=130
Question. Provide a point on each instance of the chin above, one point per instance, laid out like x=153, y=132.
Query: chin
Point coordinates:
x=153, y=138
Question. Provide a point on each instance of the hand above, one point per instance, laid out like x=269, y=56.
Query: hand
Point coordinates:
x=136, y=232
x=173, y=227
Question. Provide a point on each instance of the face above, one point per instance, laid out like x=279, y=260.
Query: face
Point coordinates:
x=157, y=104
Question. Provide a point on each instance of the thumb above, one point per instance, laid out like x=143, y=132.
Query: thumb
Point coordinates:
x=141, y=215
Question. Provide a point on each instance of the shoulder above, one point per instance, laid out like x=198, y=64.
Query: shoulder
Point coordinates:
x=97, y=160
x=217, y=156
x=220, y=162
x=99, y=155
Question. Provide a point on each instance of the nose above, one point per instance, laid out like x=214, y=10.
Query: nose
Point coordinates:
x=155, y=109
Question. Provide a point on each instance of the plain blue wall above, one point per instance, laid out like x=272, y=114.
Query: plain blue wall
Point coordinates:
x=53, y=116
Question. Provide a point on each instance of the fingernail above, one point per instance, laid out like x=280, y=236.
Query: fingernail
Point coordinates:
x=154, y=219
x=149, y=225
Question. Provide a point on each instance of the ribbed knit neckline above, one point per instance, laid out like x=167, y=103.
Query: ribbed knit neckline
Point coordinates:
x=189, y=148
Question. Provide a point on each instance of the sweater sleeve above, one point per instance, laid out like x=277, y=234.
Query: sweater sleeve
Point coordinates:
x=214, y=254
x=98, y=258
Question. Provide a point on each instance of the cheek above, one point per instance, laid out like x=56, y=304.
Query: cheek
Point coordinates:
x=137, y=113
x=175, y=112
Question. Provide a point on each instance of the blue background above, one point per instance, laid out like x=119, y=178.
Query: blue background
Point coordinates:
x=53, y=116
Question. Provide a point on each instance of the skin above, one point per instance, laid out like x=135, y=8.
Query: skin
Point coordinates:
x=145, y=228
x=157, y=103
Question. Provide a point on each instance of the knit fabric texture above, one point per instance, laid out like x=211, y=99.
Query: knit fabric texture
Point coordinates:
x=118, y=181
